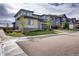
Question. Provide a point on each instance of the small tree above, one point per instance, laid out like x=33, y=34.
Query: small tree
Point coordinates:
x=49, y=23
x=65, y=25
x=22, y=23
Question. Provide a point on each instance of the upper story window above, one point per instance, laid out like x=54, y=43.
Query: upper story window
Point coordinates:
x=29, y=14
x=19, y=15
x=23, y=12
x=63, y=19
x=45, y=18
x=26, y=13
x=74, y=20
x=57, y=20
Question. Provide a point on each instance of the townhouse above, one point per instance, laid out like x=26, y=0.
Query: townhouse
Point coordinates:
x=38, y=22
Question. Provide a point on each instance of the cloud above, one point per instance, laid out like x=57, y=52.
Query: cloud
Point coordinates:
x=3, y=11
x=40, y=8
x=70, y=9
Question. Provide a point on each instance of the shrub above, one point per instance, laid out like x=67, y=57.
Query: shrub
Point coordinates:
x=32, y=33
x=15, y=34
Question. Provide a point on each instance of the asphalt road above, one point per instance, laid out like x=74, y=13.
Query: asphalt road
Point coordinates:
x=63, y=45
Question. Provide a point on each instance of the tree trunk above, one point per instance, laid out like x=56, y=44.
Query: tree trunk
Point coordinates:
x=50, y=27
x=22, y=30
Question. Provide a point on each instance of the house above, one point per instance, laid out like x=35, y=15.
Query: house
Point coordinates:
x=32, y=20
x=38, y=22
x=56, y=20
x=77, y=24
x=72, y=23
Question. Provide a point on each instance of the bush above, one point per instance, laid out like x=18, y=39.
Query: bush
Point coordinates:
x=15, y=34
x=32, y=33
x=36, y=30
x=66, y=25
x=8, y=30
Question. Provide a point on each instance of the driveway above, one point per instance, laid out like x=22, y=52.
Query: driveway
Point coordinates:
x=63, y=45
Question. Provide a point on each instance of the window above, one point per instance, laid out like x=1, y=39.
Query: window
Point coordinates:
x=64, y=19
x=26, y=13
x=29, y=14
x=30, y=22
x=73, y=20
x=44, y=17
x=57, y=21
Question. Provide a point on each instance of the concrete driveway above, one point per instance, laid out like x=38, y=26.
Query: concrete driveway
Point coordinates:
x=63, y=45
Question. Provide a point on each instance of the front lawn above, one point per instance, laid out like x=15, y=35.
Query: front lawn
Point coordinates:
x=36, y=32
x=39, y=32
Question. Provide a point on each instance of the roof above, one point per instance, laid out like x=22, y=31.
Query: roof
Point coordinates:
x=63, y=15
x=26, y=10
x=36, y=16
x=71, y=18
x=77, y=21
x=54, y=15
x=22, y=10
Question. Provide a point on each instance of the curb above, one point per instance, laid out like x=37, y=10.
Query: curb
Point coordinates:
x=43, y=36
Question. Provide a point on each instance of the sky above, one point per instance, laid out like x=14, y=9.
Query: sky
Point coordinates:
x=7, y=11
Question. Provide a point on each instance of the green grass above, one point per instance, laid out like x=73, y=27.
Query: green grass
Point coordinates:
x=33, y=33
x=58, y=31
x=38, y=33
x=41, y=32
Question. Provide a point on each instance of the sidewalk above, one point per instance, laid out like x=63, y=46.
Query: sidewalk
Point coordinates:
x=12, y=49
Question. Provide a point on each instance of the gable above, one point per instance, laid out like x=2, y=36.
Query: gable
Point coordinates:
x=23, y=12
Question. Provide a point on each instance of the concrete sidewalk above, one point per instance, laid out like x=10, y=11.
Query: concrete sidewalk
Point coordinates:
x=12, y=49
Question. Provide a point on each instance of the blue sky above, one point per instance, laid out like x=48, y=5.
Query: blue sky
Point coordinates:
x=7, y=11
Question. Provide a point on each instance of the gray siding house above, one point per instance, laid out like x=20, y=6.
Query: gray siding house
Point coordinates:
x=38, y=22
x=56, y=20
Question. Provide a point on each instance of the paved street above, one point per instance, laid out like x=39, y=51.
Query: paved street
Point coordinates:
x=67, y=45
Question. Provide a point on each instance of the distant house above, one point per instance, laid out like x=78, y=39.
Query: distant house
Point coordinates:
x=5, y=22
x=6, y=25
x=77, y=24
x=38, y=22
x=56, y=19
x=72, y=22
